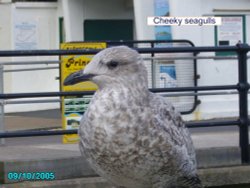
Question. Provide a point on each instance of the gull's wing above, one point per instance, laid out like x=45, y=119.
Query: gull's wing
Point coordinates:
x=178, y=148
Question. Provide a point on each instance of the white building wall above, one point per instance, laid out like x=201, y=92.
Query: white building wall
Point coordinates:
x=44, y=35
x=212, y=72
x=5, y=26
x=142, y=10
x=75, y=12
x=73, y=16
x=109, y=9
x=186, y=8
x=45, y=15
x=45, y=18
x=5, y=36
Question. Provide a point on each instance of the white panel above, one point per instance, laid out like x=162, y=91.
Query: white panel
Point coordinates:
x=33, y=27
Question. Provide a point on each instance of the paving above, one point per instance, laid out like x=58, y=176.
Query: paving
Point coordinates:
x=215, y=147
x=46, y=119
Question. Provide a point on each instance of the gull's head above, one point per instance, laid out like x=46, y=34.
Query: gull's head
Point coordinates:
x=114, y=65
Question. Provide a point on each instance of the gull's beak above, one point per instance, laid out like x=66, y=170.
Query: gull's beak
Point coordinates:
x=77, y=77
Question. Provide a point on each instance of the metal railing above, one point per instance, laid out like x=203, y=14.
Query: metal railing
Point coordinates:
x=241, y=88
x=187, y=108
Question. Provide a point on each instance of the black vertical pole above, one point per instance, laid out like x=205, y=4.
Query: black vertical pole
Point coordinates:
x=152, y=65
x=243, y=101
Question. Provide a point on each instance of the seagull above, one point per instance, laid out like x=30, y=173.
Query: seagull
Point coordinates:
x=132, y=137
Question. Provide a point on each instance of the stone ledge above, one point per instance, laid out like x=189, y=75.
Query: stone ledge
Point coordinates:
x=233, y=175
x=210, y=177
x=77, y=167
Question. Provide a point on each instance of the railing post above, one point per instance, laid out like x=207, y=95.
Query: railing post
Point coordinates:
x=2, y=127
x=243, y=88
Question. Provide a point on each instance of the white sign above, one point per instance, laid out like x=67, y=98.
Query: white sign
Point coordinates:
x=25, y=35
x=180, y=21
x=230, y=32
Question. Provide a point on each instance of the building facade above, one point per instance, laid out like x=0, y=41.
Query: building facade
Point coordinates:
x=43, y=25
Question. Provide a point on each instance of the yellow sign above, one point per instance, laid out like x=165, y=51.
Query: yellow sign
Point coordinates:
x=74, y=107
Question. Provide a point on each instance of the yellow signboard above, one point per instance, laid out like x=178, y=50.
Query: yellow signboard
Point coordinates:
x=74, y=107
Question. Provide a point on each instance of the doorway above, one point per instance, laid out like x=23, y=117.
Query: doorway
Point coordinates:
x=100, y=30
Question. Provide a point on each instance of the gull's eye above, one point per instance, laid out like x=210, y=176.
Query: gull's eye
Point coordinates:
x=112, y=64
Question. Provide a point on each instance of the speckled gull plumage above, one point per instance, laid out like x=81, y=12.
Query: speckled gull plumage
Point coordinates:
x=130, y=136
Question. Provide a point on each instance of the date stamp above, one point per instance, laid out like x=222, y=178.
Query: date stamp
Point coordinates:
x=31, y=176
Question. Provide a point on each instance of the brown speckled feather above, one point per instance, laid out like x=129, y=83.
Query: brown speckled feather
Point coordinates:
x=130, y=136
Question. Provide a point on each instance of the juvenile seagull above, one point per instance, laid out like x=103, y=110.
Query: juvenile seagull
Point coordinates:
x=130, y=136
